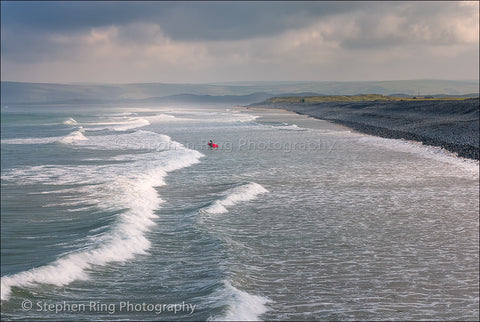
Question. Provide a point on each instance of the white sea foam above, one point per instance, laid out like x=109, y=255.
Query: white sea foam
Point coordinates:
x=292, y=127
x=129, y=124
x=129, y=187
x=122, y=122
x=70, y=121
x=73, y=137
x=431, y=152
x=242, y=306
x=235, y=195
x=160, y=118
x=217, y=117
x=237, y=117
x=241, y=117
x=137, y=140
x=32, y=140
x=124, y=114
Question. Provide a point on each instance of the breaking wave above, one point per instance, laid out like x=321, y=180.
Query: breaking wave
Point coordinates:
x=127, y=189
x=233, y=196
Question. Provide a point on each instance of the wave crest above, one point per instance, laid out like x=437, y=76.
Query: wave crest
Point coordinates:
x=73, y=137
x=131, y=187
x=233, y=196
x=70, y=121
x=242, y=306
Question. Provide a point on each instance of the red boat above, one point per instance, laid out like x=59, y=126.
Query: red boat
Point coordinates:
x=213, y=145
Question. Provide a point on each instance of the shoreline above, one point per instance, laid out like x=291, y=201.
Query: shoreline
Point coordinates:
x=451, y=125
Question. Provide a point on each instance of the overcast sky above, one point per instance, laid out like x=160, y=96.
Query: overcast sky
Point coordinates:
x=202, y=42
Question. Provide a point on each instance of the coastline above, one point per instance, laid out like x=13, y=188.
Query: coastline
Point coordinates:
x=452, y=125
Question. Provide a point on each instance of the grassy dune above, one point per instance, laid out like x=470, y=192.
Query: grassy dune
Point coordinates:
x=352, y=98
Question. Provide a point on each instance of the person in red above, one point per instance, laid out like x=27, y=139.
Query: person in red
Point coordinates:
x=213, y=145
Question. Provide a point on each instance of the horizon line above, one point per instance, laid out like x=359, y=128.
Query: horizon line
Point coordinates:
x=242, y=81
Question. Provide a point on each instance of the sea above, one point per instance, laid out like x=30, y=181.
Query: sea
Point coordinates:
x=122, y=213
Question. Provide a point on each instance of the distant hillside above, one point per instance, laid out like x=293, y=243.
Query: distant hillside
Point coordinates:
x=408, y=87
x=209, y=99
x=15, y=92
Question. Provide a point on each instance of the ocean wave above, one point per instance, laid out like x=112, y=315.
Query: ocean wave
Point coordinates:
x=245, y=117
x=71, y=138
x=159, y=118
x=235, y=117
x=124, y=114
x=70, y=121
x=130, y=124
x=233, y=196
x=138, y=140
x=122, y=122
x=217, y=117
x=428, y=151
x=129, y=190
x=292, y=127
x=242, y=306
x=32, y=140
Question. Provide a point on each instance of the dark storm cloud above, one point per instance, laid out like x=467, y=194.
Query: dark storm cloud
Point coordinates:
x=242, y=40
x=179, y=20
x=27, y=27
x=218, y=21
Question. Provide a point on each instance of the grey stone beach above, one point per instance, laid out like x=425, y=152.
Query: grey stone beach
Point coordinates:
x=450, y=124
